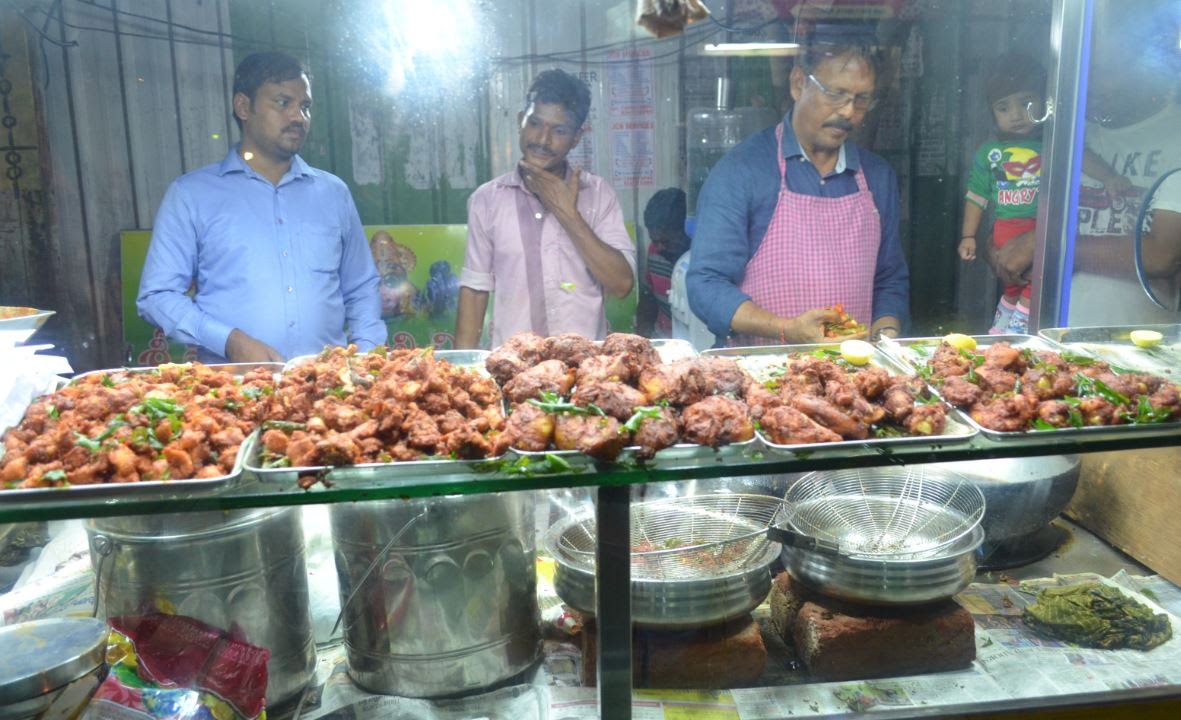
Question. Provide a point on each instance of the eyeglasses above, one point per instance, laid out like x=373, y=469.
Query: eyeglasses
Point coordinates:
x=839, y=99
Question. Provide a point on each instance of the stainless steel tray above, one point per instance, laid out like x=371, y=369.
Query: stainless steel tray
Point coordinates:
x=147, y=488
x=913, y=352
x=757, y=360
x=1113, y=345
x=353, y=476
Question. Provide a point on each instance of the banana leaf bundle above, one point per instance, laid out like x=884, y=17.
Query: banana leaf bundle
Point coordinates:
x=1097, y=616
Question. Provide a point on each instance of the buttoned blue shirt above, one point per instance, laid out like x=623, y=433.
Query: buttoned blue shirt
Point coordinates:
x=735, y=207
x=287, y=264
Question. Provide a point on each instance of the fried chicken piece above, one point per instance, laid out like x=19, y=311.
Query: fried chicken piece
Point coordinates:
x=785, y=425
x=717, y=420
x=995, y=379
x=872, y=382
x=959, y=392
x=928, y=419
x=655, y=434
x=466, y=443
x=831, y=417
x=1167, y=398
x=1046, y=383
x=759, y=399
x=1004, y=356
x=599, y=437
x=1004, y=413
x=680, y=383
x=614, y=398
x=1098, y=411
x=1055, y=412
x=570, y=348
x=547, y=376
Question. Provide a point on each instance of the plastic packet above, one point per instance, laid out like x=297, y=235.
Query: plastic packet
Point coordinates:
x=173, y=667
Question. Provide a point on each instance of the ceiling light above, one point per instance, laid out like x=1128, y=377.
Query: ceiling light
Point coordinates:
x=763, y=49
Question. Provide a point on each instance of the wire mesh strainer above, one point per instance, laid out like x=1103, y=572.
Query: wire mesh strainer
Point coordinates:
x=880, y=512
x=684, y=538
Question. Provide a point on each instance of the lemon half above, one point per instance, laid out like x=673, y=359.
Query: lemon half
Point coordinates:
x=960, y=341
x=856, y=352
x=1146, y=338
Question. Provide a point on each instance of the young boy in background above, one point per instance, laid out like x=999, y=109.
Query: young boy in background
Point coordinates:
x=1007, y=172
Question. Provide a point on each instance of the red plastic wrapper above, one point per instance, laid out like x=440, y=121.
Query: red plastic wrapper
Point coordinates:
x=179, y=651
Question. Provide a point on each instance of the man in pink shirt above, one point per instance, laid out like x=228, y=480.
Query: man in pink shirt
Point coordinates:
x=547, y=241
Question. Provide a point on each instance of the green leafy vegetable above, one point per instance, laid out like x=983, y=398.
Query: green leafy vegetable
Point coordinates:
x=55, y=476
x=284, y=425
x=641, y=413
x=52, y=412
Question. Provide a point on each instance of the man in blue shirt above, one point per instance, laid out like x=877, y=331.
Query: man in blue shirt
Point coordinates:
x=274, y=247
x=798, y=218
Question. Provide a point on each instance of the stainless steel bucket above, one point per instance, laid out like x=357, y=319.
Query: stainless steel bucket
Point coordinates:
x=438, y=594
x=241, y=570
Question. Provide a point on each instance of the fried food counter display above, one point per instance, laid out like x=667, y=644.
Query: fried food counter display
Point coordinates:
x=401, y=425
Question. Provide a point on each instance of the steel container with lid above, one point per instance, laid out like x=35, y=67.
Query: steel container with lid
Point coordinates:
x=438, y=594
x=51, y=665
x=239, y=571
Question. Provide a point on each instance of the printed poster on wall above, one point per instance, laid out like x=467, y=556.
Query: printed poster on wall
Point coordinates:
x=632, y=116
x=583, y=155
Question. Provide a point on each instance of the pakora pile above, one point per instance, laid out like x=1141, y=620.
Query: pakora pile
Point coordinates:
x=345, y=407
x=569, y=393
x=176, y=422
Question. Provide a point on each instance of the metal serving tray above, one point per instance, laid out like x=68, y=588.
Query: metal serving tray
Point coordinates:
x=147, y=488
x=755, y=360
x=371, y=474
x=913, y=352
x=1113, y=345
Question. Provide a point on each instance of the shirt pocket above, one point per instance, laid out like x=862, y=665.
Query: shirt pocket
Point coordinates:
x=321, y=246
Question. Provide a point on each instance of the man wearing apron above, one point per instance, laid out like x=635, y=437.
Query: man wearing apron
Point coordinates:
x=798, y=218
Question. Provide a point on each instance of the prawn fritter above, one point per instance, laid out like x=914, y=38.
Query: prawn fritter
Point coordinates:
x=722, y=376
x=570, y=348
x=717, y=420
x=529, y=428
x=552, y=376
x=637, y=345
x=517, y=354
x=620, y=367
x=657, y=433
x=614, y=398
x=594, y=435
x=679, y=383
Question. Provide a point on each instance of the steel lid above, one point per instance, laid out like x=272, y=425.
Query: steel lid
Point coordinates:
x=43, y=655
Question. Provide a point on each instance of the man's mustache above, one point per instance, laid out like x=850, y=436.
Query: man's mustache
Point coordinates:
x=840, y=124
x=540, y=150
x=296, y=127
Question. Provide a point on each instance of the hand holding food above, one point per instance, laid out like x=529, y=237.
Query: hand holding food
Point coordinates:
x=844, y=326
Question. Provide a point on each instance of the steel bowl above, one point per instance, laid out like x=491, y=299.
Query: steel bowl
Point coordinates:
x=901, y=580
x=668, y=604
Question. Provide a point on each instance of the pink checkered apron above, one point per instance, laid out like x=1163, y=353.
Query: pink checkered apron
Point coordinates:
x=817, y=252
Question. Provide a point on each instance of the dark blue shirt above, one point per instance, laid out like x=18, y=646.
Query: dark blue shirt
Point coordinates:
x=735, y=207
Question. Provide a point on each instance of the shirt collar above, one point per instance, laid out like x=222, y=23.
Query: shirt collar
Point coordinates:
x=233, y=162
x=847, y=158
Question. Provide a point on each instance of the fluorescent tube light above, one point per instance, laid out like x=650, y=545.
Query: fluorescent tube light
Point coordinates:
x=753, y=48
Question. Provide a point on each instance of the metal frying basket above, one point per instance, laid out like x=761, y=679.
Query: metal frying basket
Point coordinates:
x=884, y=512
x=685, y=538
